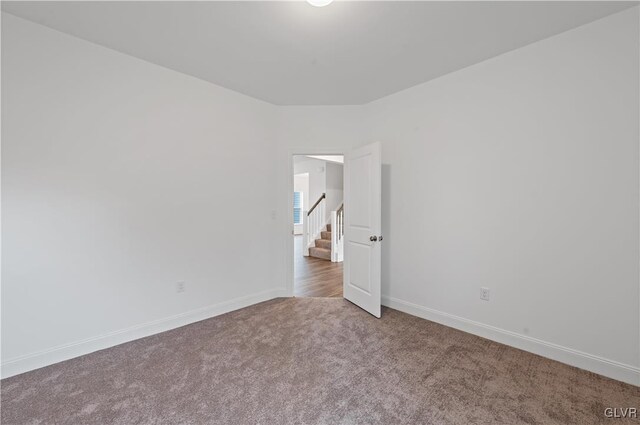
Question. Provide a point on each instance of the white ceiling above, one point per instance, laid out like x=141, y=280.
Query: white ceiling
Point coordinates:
x=291, y=53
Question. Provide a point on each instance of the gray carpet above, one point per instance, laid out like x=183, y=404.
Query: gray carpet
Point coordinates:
x=312, y=361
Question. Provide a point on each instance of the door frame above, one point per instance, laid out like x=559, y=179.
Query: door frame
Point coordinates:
x=289, y=265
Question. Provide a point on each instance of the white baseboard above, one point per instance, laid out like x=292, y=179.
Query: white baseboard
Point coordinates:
x=609, y=368
x=60, y=353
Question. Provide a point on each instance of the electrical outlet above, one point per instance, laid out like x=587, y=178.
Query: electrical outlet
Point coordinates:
x=485, y=293
x=181, y=287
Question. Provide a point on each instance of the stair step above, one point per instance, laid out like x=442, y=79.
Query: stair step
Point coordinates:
x=323, y=243
x=329, y=227
x=325, y=235
x=323, y=254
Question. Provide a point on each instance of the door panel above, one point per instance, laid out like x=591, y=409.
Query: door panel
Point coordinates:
x=360, y=266
x=361, y=199
x=362, y=224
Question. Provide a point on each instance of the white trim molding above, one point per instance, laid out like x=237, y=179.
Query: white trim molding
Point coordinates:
x=609, y=368
x=64, y=352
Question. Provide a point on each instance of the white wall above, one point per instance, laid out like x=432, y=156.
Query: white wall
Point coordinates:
x=334, y=186
x=317, y=173
x=120, y=178
x=521, y=174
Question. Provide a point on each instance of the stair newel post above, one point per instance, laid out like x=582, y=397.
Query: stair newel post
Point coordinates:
x=339, y=231
x=314, y=224
x=334, y=236
x=305, y=234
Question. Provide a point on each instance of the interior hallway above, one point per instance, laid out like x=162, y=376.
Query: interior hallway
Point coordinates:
x=314, y=277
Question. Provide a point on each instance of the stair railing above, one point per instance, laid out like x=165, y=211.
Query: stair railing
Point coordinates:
x=315, y=222
x=337, y=234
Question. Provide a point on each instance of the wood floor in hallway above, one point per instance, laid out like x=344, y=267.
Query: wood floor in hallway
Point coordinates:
x=314, y=277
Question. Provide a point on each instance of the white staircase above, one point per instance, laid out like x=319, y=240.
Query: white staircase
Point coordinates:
x=323, y=238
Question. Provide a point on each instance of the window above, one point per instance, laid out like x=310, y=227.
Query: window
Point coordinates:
x=297, y=207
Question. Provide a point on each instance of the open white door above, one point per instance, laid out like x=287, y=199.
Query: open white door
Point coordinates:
x=362, y=227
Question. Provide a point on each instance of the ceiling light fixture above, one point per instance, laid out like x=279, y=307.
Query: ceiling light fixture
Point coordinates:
x=319, y=3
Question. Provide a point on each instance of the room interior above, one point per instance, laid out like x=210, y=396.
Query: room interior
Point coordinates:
x=147, y=211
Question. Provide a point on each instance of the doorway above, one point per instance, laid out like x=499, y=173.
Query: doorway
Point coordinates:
x=318, y=217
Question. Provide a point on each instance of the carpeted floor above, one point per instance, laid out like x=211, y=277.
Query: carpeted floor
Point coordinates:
x=312, y=361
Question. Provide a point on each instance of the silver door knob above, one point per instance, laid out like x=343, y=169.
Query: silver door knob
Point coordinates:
x=373, y=238
x=380, y=238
